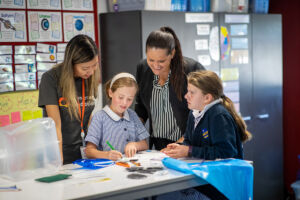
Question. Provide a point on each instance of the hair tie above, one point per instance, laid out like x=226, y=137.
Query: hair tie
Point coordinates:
x=223, y=96
x=121, y=75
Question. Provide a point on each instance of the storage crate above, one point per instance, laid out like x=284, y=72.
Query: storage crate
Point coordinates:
x=29, y=149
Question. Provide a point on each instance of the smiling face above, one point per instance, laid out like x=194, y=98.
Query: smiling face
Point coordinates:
x=87, y=69
x=196, y=99
x=159, y=60
x=121, y=99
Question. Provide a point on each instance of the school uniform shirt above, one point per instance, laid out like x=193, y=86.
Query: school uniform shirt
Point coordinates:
x=215, y=136
x=108, y=126
x=50, y=94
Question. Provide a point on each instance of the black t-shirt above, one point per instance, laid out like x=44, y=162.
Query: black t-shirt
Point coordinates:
x=50, y=94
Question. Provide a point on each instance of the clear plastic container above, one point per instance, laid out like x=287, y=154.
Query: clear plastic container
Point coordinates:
x=29, y=149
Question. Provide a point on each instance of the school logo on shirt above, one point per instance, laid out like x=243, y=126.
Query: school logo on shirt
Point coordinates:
x=62, y=102
x=204, y=133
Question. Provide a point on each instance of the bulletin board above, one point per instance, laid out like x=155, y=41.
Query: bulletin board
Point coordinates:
x=19, y=106
x=33, y=37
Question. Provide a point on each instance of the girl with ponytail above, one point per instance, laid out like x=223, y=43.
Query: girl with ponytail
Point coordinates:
x=214, y=128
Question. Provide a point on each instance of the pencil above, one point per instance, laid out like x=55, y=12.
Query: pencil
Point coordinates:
x=110, y=146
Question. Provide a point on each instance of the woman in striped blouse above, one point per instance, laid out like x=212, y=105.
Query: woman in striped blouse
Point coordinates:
x=162, y=85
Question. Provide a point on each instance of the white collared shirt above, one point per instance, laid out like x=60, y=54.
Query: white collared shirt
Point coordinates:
x=106, y=125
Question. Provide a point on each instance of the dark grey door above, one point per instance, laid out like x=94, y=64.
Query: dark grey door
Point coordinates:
x=267, y=107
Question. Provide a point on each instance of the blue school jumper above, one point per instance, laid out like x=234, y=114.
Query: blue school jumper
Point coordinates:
x=215, y=136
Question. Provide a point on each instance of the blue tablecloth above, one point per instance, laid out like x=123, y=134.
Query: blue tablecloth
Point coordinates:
x=232, y=177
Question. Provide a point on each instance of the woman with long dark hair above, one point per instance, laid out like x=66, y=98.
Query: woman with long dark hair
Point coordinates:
x=67, y=93
x=162, y=83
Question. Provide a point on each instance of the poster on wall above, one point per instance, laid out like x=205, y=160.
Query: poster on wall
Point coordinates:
x=225, y=43
x=12, y=4
x=16, y=107
x=75, y=23
x=44, y=4
x=44, y=26
x=78, y=5
x=12, y=26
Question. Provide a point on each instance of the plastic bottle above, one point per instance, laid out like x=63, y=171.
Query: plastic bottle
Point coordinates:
x=115, y=6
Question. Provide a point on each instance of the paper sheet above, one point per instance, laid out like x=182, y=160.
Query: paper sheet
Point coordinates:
x=5, y=49
x=239, y=29
x=25, y=49
x=42, y=4
x=214, y=44
x=14, y=19
x=199, y=17
x=77, y=5
x=232, y=18
x=204, y=60
x=76, y=23
x=203, y=29
x=20, y=4
x=239, y=43
x=201, y=44
x=239, y=57
x=44, y=26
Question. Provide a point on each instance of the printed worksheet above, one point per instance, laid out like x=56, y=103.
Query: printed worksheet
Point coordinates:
x=20, y=4
x=12, y=26
x=44, y=4
x=75, y=24
x=77, y=5
x=44, y=26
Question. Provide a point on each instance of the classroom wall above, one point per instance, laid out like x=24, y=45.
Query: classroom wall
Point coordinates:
x=291, y=90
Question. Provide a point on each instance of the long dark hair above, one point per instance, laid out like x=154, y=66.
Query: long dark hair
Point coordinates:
x=80, y=49
x=209, y=83
x=165, y=38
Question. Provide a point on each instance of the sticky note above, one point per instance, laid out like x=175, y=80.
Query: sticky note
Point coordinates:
x=37, y=114
x=4, y=120
x=26, y=115
x=15, y=117
x=229, y=74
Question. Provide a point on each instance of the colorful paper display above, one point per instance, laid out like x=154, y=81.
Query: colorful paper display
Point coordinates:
x=19, y=106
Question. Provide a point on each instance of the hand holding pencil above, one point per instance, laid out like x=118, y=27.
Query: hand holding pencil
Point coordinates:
x=113, y=154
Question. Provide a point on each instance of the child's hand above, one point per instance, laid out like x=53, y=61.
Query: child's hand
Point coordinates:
x=169, y=147
x=130, y=149
x=177, y=151
x=114, y=155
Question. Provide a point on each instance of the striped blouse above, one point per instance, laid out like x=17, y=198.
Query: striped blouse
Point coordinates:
x=163, y=120
x=108, y=126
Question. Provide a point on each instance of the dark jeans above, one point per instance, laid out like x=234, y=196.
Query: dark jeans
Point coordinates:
x=159, y=143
